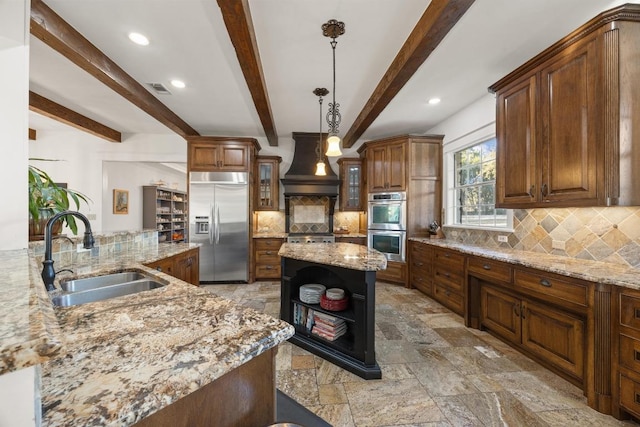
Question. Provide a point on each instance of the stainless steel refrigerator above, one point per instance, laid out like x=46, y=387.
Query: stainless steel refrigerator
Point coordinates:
x=219, y=221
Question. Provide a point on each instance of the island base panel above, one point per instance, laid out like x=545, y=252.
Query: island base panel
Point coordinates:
x=243, y=397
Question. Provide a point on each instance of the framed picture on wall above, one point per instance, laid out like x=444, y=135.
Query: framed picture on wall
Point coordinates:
x=120, y=202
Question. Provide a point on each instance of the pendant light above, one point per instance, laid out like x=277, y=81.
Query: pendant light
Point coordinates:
x=320, y=165
x=333, y=29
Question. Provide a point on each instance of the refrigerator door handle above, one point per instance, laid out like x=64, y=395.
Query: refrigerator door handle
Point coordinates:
x=211, y=224
x=218, y=223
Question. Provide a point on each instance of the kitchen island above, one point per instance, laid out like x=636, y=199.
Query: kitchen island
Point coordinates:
x=346, y=266
x=152, y=358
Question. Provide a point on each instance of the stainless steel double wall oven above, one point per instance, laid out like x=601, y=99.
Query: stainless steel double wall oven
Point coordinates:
x=387, y=224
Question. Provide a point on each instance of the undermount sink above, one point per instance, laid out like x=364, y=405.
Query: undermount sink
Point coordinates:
x=75, y=285
x=98, y=288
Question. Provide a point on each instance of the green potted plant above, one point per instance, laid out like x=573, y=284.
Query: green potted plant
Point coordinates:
x=46, y=198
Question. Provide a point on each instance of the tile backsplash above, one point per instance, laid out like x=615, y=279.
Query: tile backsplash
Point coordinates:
x=610, y=234
x=274, y=221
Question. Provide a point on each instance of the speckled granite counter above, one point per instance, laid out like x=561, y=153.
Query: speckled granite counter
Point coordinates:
x=117, y=361
x=29, y=333
x=347, y=255
x=594, y=271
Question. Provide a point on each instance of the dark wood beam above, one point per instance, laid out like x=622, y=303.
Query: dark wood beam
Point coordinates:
x=435, y=23
x=49, y=27
x=47, y=107
x=237, y=18
x=32, y=134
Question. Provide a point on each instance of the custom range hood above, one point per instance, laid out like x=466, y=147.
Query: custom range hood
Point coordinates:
x=300, y=179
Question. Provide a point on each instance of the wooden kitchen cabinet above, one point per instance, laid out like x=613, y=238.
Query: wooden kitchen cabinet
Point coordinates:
x=184, y=266
x=266, y=259
x=220, y=154
x=386, y=163
x=350, y=184
x=448, y=279
x=352, y=239
x=626, y=381
x=552, y=335
x=420, y=267
x=268, y=183
x=566, y=121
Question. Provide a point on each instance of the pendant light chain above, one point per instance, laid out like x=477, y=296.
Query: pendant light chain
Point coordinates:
x=333, y=29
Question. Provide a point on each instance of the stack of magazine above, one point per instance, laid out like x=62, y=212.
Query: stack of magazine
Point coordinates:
x=320, y=324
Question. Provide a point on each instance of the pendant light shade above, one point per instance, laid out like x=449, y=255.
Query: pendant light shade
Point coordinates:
x=333, y=149
x=320, y=168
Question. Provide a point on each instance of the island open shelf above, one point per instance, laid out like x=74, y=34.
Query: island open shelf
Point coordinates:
x=355, y=350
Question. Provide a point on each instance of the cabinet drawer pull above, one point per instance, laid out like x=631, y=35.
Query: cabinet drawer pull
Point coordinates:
x=268, y=252
x=637, y=398
x=447, y=275
x=515, y=310
x=543, y=190
x=636, y=355
x=420, y=264
x=447, y=255
x=636, y=313
x=532, y=191
x=486, y=267
x=545, y=282
x=269, y=267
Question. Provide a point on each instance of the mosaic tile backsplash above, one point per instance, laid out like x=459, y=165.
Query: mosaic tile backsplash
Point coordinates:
x=274, y=222
x=610, y=234
x=64, y=250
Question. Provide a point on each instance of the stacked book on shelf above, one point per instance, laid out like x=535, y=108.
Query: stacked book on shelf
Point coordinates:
x=320, y=324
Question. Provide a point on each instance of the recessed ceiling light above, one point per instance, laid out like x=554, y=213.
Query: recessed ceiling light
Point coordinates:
x=434, y=101
x=138, y=38
x=178, y=83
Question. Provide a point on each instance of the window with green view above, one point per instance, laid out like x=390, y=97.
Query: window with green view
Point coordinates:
x=475, y=187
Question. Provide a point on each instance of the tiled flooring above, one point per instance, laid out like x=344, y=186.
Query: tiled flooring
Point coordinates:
x=435, y=372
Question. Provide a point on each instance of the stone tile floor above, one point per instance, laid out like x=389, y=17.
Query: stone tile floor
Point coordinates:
x=435, y=372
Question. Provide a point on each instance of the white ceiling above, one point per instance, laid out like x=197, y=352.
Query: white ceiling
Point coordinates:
x=189, y=41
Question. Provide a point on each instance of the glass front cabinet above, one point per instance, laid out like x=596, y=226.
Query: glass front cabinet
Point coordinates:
x=268, y=177
x=351, y=184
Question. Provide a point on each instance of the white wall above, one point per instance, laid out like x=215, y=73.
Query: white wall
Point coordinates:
x=81, y=166
x=131, y=176
x=18, y=390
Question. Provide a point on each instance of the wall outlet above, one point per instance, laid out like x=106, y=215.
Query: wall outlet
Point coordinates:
x=80, y=248
x=558, y=244
x=502, y=239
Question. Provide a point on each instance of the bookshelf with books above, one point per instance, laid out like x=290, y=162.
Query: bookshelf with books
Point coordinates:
x=346, y=337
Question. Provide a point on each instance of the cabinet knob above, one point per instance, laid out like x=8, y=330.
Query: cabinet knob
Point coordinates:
x=544, y=190
x=269, y=267
x=268, y=252
x=486, y=267
x=545, y=282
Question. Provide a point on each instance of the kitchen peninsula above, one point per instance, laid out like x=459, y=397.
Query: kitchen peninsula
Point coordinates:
x=346, y=266
x=146, y=359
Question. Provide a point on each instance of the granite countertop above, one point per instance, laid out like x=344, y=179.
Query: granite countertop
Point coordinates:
x=594, y=271
x=347, y=255
x=117, y=361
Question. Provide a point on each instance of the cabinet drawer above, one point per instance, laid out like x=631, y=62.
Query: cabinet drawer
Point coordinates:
x=630, y=352
x=267, y=257
x=630, y=394
x=449, y=298
x=450, y=278
x=452, y=259
x=552, y=287
x=482, y=267
x=267, y=244
x=630, y=311
x=268, y=271
x=395, y=272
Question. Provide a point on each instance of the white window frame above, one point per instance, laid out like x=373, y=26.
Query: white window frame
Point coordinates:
x=450, y=148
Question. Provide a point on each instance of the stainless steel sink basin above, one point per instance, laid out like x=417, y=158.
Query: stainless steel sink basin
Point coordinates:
x=75, y=285
x=105, y=292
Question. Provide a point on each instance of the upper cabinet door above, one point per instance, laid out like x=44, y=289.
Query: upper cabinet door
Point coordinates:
x=376, y=166
x=396, y=174
x=569, y=113
x=350, y=184
x=516, y=148
x=212, y=156
x=267, y=188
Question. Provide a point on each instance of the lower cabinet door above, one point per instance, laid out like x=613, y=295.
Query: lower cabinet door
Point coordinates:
x=500, y=313
x=556, y=337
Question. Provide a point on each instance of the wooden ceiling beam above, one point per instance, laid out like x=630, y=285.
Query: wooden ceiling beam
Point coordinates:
x=32, y=134
x=237, y=18
x=47, y=107
x=436, y=22
x=49, y=27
